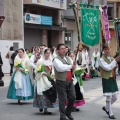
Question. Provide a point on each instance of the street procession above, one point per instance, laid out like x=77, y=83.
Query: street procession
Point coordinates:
x=59, y=59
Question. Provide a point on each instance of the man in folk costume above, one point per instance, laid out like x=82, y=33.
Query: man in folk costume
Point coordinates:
x=110, y=88
x=64, y=83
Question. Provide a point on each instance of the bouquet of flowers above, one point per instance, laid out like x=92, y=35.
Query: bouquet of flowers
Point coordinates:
x=42, y=69
x=78, y=73
x=19, y=65
x=95, y=58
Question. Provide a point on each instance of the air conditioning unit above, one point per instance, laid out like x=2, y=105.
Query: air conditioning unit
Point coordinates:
x=2, y=17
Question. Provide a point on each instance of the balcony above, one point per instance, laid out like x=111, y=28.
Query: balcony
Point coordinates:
x=113, y=0
x=60, y=4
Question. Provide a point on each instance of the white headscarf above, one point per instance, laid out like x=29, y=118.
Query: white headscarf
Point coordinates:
x=54, y=53
x=18, y=75
x=46, y=62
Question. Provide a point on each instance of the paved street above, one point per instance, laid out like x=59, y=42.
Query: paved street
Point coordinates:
x=10, y=110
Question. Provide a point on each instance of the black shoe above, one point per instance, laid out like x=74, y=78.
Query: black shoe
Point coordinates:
x=105, y=110
x=70, y=117
x=19, y=102
x=77, y=109
x=41, y=109
x=64, y=118
x=47, y=113
x=112, y=117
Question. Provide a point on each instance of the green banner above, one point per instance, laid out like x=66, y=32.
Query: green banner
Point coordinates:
x=90, y=26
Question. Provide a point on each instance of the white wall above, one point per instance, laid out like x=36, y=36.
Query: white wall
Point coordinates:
x=4, y=48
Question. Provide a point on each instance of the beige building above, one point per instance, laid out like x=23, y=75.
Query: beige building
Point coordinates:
x=11, y=31
x=113, y=12
x=71, y=35
x=37, y=33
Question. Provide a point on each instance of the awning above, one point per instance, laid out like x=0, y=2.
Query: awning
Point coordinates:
x=35, y=26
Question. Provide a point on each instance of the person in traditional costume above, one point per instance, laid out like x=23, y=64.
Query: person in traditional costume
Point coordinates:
x=33, y=61
x=20, y=87
x=67, y=50
x=85, y=61
x=45, y=92
x=64, y=82
x=29, y=54
x=95, y=59
x=54, y=53
x=42, y=47
x=78, y=83
x=109, y=83
x=94, y=64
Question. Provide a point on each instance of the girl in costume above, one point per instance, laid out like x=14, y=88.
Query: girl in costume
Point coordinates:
x=45, y=92
x=20, y=87
x=78, y=86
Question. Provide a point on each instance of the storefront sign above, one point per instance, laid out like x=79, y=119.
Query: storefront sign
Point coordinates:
x=38, y=19
x=60, y=4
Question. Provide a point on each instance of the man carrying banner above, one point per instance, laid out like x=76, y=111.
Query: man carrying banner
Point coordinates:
x=64, y=84
x=109, y=84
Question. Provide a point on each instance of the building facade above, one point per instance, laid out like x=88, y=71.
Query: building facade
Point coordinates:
x=11, y=30
x=71, y=35
x=113, y=12
x=45, y=25
x=30, y=23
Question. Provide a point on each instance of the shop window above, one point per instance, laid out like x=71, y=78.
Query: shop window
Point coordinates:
x=110, y=11
x=68, y=39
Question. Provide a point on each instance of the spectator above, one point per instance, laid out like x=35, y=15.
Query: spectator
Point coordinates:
x=14, y=55
x=8, y=56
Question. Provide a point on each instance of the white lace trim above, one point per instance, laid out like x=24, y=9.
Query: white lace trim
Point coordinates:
x=110, y=94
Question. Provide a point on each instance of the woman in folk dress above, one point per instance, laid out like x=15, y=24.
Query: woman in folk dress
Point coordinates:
x=20, y=87
x=79, y=89
x=43, y=86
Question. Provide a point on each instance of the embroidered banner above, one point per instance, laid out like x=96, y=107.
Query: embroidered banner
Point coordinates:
x=90, y=26
x=117, y=27
x=106, y=23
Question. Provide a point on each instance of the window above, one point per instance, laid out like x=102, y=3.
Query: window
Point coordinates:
x=110, y=11
x=68, y=38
